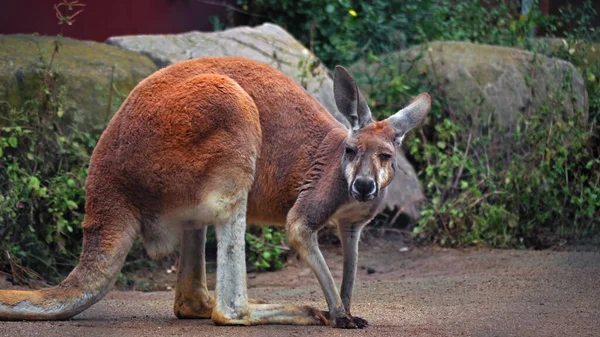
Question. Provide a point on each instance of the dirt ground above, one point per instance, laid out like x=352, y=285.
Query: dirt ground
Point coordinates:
x=401, y=291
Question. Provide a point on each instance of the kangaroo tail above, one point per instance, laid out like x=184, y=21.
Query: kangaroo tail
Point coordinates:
x=105, y=247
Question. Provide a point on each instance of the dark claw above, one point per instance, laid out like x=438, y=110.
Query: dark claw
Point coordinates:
x=344, y=323
x=360, y=322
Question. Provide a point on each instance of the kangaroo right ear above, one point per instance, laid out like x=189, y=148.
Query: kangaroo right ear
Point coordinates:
x=409, y=117
x=348, y=99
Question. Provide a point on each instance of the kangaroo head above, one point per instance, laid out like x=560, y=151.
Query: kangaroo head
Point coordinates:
x=369, y=158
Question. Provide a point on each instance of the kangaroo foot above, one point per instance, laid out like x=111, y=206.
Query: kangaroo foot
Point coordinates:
x=198, y=308
x=258, y=314
x=256, y=301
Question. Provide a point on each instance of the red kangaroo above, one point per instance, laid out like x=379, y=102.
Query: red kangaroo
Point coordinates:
x=226, y=141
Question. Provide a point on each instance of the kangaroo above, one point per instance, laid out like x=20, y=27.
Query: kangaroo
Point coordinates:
x=226, y=141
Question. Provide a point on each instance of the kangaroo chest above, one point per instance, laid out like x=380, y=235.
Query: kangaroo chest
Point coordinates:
x=355, y=213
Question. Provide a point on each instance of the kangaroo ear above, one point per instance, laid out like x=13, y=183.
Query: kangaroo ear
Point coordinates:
x=350, y=102
x=409, y=117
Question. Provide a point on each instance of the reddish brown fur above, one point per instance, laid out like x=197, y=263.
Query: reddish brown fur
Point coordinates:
x=282, y=105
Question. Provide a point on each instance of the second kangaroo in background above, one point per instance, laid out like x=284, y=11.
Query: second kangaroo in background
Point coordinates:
x=226, y=141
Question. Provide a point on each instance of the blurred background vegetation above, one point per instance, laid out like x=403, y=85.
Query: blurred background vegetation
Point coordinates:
x=544, y=193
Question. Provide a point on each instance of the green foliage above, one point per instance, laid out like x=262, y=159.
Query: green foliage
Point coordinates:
x=494, y=23
x=342, y=31
x=533, y=187
x=43, y=167
x=577, y=22
x=265, y=250
x=541, y=187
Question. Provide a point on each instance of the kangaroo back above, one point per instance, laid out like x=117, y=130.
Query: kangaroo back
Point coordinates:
x=294, y=126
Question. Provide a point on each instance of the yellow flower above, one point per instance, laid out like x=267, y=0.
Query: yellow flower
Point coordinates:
x=352, y=12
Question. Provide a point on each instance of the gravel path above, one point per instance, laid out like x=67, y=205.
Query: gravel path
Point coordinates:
x=422, y=292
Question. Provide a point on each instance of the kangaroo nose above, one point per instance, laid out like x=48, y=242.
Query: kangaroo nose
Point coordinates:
x=364, y=187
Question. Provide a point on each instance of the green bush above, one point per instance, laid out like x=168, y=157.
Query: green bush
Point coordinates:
x=494, y=23
x=549, y=191
x=340, y=32
x=543, y=186
x=265, y=250
x=43, y=167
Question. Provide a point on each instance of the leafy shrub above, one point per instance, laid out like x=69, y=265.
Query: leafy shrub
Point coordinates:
x=550, y=188
x=544, y=187
x=340, y=32
x=489, y=22
x=544, y=190
x=265, y=250
x=43, y=167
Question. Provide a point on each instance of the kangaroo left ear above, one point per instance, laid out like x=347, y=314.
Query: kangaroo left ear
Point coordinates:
x=409, y=117
x=349, y=100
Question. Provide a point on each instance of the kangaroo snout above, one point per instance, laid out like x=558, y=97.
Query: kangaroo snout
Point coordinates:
x=364, y=189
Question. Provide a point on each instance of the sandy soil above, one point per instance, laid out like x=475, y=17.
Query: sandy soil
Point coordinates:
x=419, y=292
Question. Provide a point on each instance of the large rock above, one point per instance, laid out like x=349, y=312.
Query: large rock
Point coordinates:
x=267, y=43
x=496, y=82
x=270, y=44
x=87, y=72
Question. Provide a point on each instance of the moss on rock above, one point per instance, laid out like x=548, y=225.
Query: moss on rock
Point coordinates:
x=87, y=71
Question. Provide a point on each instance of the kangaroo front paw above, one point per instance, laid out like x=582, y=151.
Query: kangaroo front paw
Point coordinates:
x=346, y=321
x=342, y=323
x=360, y=322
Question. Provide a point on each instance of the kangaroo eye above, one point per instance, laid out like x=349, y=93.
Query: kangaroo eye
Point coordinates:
x=385, y=156
x=350, y=152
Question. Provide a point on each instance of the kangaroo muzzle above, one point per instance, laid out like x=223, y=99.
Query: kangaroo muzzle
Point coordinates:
x=364, y=189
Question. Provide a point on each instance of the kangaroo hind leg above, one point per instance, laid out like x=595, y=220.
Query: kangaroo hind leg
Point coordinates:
x=232, y=306
x=192, y=299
